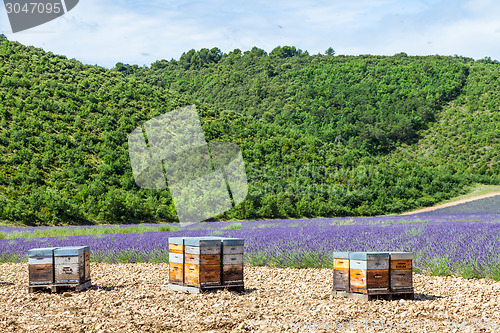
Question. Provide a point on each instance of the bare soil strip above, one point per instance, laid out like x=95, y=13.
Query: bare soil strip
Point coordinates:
x=135, y=298
x=450, y=204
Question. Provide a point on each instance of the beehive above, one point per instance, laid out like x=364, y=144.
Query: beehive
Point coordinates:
x=86, y=260
x=401, y=271
x=202, y=261
x=176, y=260
x=41, y=266
x=69, y=265
x=341, y=271
x=369, y=271
x=232, y=261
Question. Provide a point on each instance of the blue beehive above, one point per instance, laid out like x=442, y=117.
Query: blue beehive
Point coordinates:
x=69, y=264
x=41, y=265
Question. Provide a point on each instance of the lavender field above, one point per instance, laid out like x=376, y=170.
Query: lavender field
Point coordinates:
x=444, y=243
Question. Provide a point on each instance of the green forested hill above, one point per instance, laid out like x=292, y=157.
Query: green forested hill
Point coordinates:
x=373, y=103
x=321, y=135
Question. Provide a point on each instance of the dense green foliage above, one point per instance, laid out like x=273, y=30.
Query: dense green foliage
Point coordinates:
x=372, y=103
x=321, y=135
x=63, y=140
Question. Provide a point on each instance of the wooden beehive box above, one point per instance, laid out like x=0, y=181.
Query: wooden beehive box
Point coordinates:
x=69, y=265
x=41, y=266
x=176, y=260
x=86, y=260
x=202, y=261
x=341, y=271
x=232, y=261
x=401, y=271
x=369, y=272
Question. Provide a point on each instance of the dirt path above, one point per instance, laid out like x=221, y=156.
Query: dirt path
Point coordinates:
x=135, y=298
x=450, y=204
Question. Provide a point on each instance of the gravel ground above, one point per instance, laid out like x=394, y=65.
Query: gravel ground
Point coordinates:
x=135, y=298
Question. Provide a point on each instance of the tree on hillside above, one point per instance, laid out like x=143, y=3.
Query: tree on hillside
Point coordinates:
x=330, y=52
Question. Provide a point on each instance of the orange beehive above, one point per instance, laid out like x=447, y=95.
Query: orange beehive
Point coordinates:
x=369, y=272
x=401, y=271
x=176, y=260
x=341, y=271
x=202, y=261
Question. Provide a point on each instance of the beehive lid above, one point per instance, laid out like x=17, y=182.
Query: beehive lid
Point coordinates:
x=233, y=241
x=176, y=240
x=369, y=256
x=401, y=255
x=69, y=251
x=202, y=241
x=41, y=252
x=340, y=255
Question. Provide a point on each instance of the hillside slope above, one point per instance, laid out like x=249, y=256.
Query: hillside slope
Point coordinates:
x=321, y=135
x=63, y=134
x=466, y=134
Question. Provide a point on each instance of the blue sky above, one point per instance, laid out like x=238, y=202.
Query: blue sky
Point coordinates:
x=141, y=32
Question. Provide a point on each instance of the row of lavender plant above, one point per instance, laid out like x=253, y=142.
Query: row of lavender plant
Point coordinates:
x=251, y=224
x=467, y=245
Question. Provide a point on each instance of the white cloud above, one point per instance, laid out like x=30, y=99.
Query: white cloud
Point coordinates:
x=435, y=27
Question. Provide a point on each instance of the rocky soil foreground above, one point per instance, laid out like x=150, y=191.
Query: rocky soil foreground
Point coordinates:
x=135, y=298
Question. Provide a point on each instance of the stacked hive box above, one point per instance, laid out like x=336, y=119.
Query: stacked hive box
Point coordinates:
x=369, y=272
x=59, y=267
x=232, y=261
x=176, y=260
x=202, y=262
x=86, y=258
x=71, y=265
x=371, y=275
x=401, y=271
x=41, y=266
x=341, y=271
